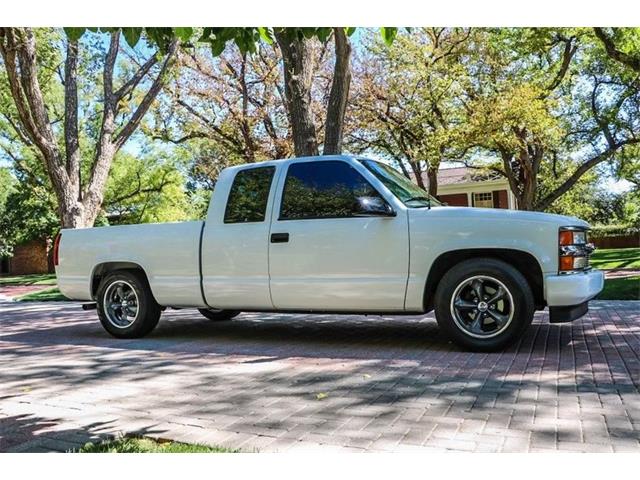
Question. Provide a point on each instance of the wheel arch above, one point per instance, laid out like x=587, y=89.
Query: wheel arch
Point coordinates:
x=523, y=261
x=103, y=269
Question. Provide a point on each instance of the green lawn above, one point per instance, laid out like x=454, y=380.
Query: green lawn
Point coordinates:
x=616, y=258
x=44, y=279
x=621, y=289
x=147, y=445
x=46, y=295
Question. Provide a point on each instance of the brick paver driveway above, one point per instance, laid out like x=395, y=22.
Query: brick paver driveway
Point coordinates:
x=287, y=382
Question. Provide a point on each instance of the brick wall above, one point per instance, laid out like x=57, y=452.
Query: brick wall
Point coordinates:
x=30, y=257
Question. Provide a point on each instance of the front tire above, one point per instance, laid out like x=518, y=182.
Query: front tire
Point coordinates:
x=484, y=304
x=126, y=306
x=218, y=315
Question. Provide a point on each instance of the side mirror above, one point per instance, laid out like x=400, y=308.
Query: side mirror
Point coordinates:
x=374, y=207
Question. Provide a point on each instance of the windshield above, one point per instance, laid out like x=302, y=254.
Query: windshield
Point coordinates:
x=407, y=192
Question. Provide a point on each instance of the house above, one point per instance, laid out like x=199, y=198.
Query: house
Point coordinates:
x=470, y=187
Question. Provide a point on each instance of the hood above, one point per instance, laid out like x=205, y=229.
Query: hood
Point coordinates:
x=505, y=215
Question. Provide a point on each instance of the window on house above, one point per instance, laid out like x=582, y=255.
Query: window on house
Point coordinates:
x=483, y=200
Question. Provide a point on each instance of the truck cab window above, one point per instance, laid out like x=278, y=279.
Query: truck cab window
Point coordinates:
x=323, y=189
x=248, y=196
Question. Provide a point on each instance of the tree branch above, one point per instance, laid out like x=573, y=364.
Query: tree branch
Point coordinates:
x=133, y=82
x=150, y=96
x=614, y=53
x=570, y=49
x=579, y=172
x=139, y=190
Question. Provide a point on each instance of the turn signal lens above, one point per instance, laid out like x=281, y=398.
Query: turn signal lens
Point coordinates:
x=566, y=264
x=566, y=237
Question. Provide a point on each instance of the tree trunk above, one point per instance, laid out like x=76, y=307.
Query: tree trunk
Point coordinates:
x=432, y=175
x=417, y=173
x=512, y=170
x=334, y=125
x=298, y=77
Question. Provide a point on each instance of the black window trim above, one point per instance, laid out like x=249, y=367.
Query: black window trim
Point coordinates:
x=266, y=208
x=284, y=184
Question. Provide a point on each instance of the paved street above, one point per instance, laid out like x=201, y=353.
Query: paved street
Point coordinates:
x=271, y=382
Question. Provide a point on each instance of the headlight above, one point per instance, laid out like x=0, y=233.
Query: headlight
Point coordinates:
x=574, y=251
x=572, y=237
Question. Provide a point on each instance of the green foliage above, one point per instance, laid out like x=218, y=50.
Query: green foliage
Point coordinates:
x=246, y=38
x=161, y=37
x=183, y=33
x=131, y=35
x=28, y=213
x=146, y=189
x=601, y=231
x=75, y=33
x=7, y=185
x=388, y=34
x=407, y=100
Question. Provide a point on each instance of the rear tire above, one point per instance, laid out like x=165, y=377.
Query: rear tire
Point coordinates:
x=484, y=304
x=218, y=315
x=126, y=306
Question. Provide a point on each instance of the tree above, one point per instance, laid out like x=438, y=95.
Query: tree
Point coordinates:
x=235, y=101
x=28, y=211
x=59, y=147
x=407, y=100
x=294, y=44
x=231, y=109
x=548, y=96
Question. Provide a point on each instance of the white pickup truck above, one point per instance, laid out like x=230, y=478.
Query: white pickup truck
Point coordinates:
x=335, y=234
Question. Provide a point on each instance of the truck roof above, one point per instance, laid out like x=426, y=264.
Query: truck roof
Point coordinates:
x=292, y=159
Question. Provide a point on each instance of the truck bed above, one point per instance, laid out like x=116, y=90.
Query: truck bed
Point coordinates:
x=168, y=253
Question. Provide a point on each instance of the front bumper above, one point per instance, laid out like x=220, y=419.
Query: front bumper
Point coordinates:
x=573, y=289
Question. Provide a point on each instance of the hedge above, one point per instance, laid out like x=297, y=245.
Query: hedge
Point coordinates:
x=603, y=231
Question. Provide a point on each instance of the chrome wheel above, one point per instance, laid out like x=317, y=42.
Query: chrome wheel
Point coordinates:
x=482, y=306
x=121, y=304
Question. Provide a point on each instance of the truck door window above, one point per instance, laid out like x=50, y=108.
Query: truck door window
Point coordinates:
x=248, y=196
x=323, y=189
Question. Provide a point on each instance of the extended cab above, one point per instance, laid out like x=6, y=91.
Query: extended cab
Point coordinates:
x=335, y=234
